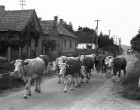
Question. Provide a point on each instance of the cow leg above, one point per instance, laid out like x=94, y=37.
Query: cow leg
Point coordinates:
x=119, y=74
x=79, y=81
x=59, y=78
x=65, y=85
x=124, y=71
x=75, y=82
x=36, y=84
x=86, y=79
x=39, y=84
x=113, y=79
x=27, y=88
x=72, y=83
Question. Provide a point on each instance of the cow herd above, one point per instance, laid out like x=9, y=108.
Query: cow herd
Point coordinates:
x=75, y=69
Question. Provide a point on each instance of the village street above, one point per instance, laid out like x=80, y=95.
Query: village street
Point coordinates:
x=95, y=95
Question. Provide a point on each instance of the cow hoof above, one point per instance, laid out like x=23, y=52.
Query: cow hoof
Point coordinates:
x=113, y=80
x=65, y=91
x=71, y=89
x=86, y=81
x=25, y=97
x=75, y=86
x=29, y=94
x=39, y=91
x=79, y=85
x=58, y=82
x=36, y=90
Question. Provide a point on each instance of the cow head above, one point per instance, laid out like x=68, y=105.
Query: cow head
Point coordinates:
x=63, y=68
x=19, y=65
x=83, y=71
x=55, y=66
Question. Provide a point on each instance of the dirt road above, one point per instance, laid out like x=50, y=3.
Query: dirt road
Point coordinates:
x=95, y=95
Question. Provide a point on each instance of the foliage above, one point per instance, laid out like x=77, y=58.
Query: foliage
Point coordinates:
x=87, y=35
x=68, y=26
x=49, y=44
x=135, y=42
x=130, y=83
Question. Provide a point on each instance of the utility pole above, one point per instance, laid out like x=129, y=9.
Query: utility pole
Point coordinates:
x=116, y=39
x=109, y=33
x=22, y=3
x=97, y=35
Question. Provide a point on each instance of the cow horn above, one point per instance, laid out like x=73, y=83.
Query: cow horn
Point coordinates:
x=12, y=62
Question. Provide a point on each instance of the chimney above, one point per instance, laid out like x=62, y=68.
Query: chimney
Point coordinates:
x=2, y=8
x=55, y=18
x=61, y=21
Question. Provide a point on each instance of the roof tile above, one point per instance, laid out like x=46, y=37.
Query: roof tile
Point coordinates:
x=14, y=20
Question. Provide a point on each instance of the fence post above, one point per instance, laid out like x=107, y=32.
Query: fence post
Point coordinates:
x=9, y=54
x=37, y=53
x=29, y=52
x=19, y=52
x=43, y=50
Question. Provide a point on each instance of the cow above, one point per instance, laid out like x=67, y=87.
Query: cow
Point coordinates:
x=103, y=66
x=71, y=68
x=119, y=63
x=56, y=63
x=87, y=65
x=108, y=65
x=97, y=61
x=28, y=70
x=116, y=65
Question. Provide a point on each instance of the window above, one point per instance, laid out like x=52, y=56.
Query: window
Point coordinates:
x=65, y=43
x=70, y=43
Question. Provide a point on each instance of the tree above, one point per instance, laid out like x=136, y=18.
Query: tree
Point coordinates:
x=49, y=44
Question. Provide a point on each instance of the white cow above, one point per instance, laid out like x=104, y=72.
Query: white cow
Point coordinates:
x=56, y=63
x=30, y=69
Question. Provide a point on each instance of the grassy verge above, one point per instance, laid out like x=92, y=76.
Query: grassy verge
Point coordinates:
x=6, y=67
x=130, y=84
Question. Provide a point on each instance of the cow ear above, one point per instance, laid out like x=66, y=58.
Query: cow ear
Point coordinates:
x=13, y=62
x=25, y=63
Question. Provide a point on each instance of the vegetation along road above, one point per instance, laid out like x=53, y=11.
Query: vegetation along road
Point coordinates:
x=98, y=94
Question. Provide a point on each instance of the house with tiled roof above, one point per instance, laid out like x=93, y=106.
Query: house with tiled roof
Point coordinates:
x=22, y=29
x=66, y=42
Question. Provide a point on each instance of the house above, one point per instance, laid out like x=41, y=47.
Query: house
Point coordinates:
x=19, y=28
x=86, y=42
x=66, y=42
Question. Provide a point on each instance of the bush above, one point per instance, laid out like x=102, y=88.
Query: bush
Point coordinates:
x=9, y=82
x=130, y=84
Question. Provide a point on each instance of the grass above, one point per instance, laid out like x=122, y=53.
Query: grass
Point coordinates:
x=6, y=67
x=130, y=84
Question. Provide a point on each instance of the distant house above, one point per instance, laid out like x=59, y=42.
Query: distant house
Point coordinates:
x=85, y=40
x=23, y=25
x=66, y=42
x=86, y=46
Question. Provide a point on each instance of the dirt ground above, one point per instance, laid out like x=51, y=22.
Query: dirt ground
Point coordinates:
x=99, y=94
x=110, y=99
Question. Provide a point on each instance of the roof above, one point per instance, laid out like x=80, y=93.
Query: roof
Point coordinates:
x=63, y=31
x=14, y=20
x=48, y=27
x=85, y=37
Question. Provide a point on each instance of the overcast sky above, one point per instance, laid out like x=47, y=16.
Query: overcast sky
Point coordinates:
x=122, y=17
